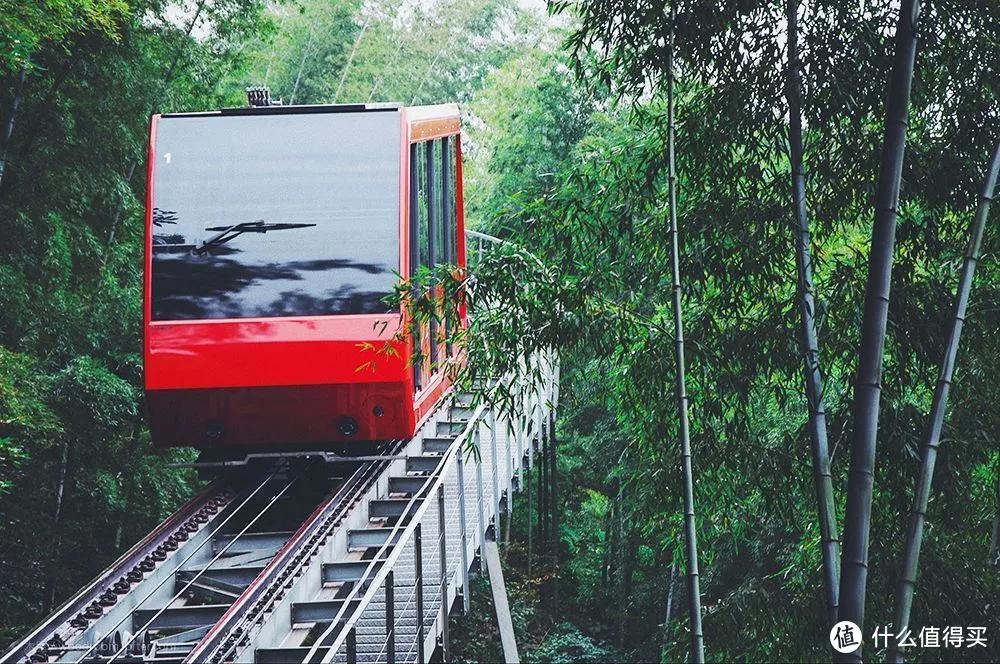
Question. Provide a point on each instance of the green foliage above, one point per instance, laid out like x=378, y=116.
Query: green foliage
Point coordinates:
x=78, y=478
x=26, y=421
x=592, y=280
x=567, y=644
x=348, y=51
x=571, y=172
x=531, y=116
x=25, y=27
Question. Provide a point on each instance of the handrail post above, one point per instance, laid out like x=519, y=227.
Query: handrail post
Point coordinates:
x=479, y=492
x=536, y=413
x=418, y=564
x=519, y=439
x=529, y=430
x=442, y=541
x=390, y=621
x=509, y=477
x=463, y=540
x=495, y=507
x=555, y=386
x=352, y=646
x=540, y=426
x=528, y=491
x=542, y=479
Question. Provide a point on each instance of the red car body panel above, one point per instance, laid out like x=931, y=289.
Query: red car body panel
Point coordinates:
x=288, y=381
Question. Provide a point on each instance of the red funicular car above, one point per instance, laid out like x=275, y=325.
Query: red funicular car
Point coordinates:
x=273, y=236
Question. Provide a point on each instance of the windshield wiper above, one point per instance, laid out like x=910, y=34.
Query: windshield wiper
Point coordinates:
x=227, y=233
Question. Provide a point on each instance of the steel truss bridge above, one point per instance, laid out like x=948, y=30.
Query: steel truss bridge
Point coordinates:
x=352, y=560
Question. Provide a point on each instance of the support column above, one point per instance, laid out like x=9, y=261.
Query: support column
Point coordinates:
x=509, y=470
x=463, y=540
x=479, y=493
x=495, y=508
x=442, y=541
x=390, y=621
x=541, y=503
x=550, y=444
x=352, y=646
x=418, y=566
x=519, y=428
x=544, y=506
x=528, y=512
x=499, y=590
x=555, y=507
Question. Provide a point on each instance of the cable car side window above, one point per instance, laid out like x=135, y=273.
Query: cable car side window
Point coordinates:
x=423, y=202
x=441, y=194
x=260, y=216
x=448, y=228
x=433, y=235
x=415, y=215
x=452, y=195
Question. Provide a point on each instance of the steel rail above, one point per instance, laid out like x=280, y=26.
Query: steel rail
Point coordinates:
x=179, y=566
x=376, y=559
x=214, y=560
x=223, y=642
x=219, y=642
x=328, y=457
x=433, y=484
x=45, y=630
x=397, y=546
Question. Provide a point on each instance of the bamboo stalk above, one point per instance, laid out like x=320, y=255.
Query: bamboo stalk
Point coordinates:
x=829, y=542
x=867, y=391
x=994, y=555
x=7, y=132
x=669, y=610
x=554, y=519
x=621, y=595
x=690, y=529
x=306, y=52
x=350, y=58
x=528, y=489
x=914, y=536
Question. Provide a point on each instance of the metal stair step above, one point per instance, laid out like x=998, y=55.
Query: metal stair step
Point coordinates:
x=422, y=464
x=371, y=538
x=349, y=571
x=435, y=445
x=449, y=428
x=406, y=484
x=320, y=610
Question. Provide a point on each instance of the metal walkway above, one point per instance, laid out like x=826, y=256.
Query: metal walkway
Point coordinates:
x=363, y=564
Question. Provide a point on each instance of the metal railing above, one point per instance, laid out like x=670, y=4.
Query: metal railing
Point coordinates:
x=482, y=242
x=461, y=470
x=398, y=610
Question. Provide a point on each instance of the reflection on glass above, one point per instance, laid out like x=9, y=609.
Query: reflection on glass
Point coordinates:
x=423, y=203
x=452, y=158
x=277, y=215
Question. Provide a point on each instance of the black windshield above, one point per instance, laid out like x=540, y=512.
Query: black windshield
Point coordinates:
x=275, y=215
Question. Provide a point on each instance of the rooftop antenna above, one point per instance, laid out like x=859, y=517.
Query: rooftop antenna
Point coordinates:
x=260, y=95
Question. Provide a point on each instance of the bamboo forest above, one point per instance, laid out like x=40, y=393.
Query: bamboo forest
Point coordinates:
x=757, y=235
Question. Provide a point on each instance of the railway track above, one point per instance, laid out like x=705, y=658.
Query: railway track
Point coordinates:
x=162, y=596
x=346, y=560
